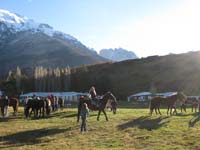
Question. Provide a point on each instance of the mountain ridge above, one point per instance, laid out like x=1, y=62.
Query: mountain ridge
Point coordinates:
x=25, y=43
x=117, y=54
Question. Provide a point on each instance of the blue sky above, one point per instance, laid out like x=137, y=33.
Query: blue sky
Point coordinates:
x=147, y=27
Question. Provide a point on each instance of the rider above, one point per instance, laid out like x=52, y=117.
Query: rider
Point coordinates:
x=93, y=94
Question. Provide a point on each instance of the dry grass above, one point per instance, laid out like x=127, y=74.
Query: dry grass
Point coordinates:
x=128, y=129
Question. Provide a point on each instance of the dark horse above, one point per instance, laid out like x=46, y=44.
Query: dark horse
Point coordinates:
x=112, y=105
x=39, y=107
x=169, y=101
x=100, y=108
x=194, y=102
x=14, y=102
x=61, y=102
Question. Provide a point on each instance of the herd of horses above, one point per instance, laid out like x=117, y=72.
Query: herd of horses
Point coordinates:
x=44, y=106
x=171, y=101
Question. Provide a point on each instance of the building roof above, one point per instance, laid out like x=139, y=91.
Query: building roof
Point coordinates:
x=58, y=94
x=141, y=94
x=165, y=94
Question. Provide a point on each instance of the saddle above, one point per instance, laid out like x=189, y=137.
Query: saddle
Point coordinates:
x=96, y=101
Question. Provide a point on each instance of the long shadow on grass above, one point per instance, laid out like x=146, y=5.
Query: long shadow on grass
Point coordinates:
x=145, y=122
x=194, y=120
x=29, y=137
x=11, y=117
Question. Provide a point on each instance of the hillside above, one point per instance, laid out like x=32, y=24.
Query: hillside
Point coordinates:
x=164, y=73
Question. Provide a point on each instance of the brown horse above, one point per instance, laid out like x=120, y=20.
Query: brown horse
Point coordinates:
x=112, y=105
x=14, y=102
x=61, y=102
x=169, y=101
x=39, y=107
x=194, y=102
x=100, y=108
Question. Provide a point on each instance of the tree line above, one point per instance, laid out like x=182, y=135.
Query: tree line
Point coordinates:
x=44, y=79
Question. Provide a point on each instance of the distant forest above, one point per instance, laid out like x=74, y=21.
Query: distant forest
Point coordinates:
x=156, y=73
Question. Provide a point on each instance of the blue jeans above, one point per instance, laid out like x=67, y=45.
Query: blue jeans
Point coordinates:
x=5, y=111
x=83, y=124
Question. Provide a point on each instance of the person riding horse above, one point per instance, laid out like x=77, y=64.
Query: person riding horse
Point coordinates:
x=94, y=97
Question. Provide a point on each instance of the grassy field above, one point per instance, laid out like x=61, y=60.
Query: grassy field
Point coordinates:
x=131, y=128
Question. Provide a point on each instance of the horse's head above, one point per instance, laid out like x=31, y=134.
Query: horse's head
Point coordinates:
x=110, y=96
x=182, y=97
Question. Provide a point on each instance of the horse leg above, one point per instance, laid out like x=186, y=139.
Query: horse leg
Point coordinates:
x=43, y=111
x=40, y=115
x=99, y=113
x=199, y=107
x=156, y=110
x=114, y=110
x=175, y=110
x=192, y=107
x=32, y=110
x=2, y=111
x=171, y=110
x=105, y=114
x=14, y=111
x=181, y=108
x=159, y=110
x=167, y=110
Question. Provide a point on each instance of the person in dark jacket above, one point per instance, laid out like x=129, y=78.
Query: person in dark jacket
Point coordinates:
x=84, y=114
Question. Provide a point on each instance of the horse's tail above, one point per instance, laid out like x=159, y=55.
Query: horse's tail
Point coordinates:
x=150, y=106
x=17, y=105
x=150, y=103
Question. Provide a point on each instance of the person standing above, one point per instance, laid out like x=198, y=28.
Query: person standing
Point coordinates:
x=6, y=104
x=84, y=114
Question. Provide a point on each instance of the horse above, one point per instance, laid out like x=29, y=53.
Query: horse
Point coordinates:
x=91, y=106
x=169, y=101
x=39, y=107
x=53, y=102
x=112, y=105
x=14, y=102
x=61, y=103
x=195, y=102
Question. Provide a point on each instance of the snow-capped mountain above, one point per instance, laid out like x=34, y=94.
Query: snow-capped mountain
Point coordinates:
x=26, y=43
x=17, y=23
x=117, y=54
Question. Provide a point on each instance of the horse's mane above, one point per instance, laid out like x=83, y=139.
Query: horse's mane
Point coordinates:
x=109, y=93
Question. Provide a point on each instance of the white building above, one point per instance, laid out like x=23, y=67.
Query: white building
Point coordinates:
x=144, y=96
x=67, y=96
